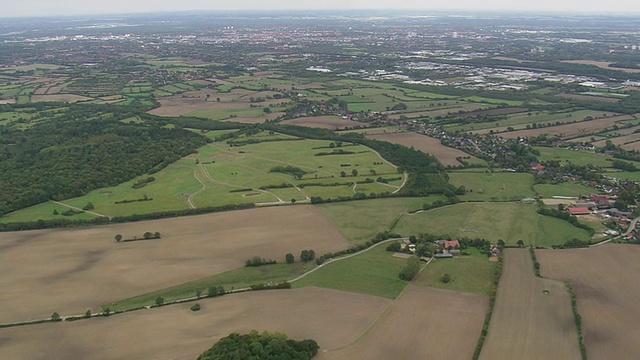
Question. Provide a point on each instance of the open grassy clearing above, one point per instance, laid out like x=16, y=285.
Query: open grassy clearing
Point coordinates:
x=572, y=188
x=469, y=273
x=359, y=221
x=423, y=323
x=233, y=279
x=448, y=156
x=175, y=332
x=220, y=175
x=324, y=122
x=532, y=317
x=493, y=186
x=374, y=272
x=492, y=221
x=84, y=268
x=606, y=284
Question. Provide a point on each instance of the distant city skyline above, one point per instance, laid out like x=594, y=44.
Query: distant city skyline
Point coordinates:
x=28, y=8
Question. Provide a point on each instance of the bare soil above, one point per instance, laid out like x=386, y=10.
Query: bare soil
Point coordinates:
x=605, y=280
x=532, y=317
x=424, y=323
x=426, y=144
x=332, y=318
x=72, y=270
x=324, y=122
x=184, y=103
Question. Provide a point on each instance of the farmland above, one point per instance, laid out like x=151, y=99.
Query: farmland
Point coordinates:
x=492, y=221
x=493, y=186
x=446, y=155
x=417, y=324
x=532, y=317
x=338, y=319
x=606, y=287
x=76, y=267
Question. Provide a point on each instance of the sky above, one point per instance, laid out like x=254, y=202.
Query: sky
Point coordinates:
x=27, y=8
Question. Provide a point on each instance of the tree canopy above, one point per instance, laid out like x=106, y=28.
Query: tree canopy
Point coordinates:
x=256, y=346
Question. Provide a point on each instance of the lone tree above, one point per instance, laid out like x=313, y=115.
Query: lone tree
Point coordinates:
x=289, y=258
x=354, y=172
x=159, y=301
x=156, y=235
x=55, y=317
x=118, y=237
x=147, y=235
x=520, y=243
x=307, y=255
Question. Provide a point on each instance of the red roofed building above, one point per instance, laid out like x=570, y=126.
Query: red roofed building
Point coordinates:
x=453, y=244
x=579, y=211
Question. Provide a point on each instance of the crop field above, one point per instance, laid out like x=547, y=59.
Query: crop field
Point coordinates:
x=374, y=272
x=359, y=221
x=423, y=323
x=607, y=287
x=175, y=332
x=532, y=317
x=492, y=221
x=446, y=155
x=572, y=188
x=469, y=273
x=78, y=268
x=324, y=122
x=567, y=131
x=602, y=64
x=69, y=98
x=493, y=186
x=627, y=142
x=519, y=121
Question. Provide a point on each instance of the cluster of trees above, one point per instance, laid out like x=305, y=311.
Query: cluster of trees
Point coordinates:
x=307, y=255
x=411, y=269
x=143, y=182
x=263, y=346
x=294, y=171
x=258, y=261
x=146, y=236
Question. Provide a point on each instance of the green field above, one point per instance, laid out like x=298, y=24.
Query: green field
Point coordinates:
x=571, y=188
x=469, y=273
x=359, y=221
x=374, y=272
x=581, y=158
x=233, y=279
x=492, y=221
x=220, y=174
x=493, y=186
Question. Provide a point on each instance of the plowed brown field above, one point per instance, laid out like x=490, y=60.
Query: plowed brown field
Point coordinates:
x=528, y=323
x=72, y=270
x=605, y=280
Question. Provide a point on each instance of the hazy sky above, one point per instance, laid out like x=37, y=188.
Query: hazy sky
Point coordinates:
x=14, y=8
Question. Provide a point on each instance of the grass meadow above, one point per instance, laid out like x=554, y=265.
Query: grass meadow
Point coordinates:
x=493, y=186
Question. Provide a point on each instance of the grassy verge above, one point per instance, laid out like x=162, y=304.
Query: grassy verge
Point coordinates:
x=374, y=272
x=492, y=301
x=233, y=279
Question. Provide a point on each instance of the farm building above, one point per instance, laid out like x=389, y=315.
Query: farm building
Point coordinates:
x=579, y=211
x=451, y=244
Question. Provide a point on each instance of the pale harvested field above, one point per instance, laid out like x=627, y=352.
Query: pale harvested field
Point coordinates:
x=332, y=318
x=526, y=323
x=556, y=202
x=605, y=279
x=72, y=270
x=324, y=122
x=627, y=142
x=69, y=98
x=41, y=90
x=54, y=90
x=601, y=64
x=570, y=130
x=7, y=101
x=429, y=145
x=424, y=323
x=190, y=101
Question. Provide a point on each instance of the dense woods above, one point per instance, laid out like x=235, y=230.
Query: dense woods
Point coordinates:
x=263, y=346
x=69, y=157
